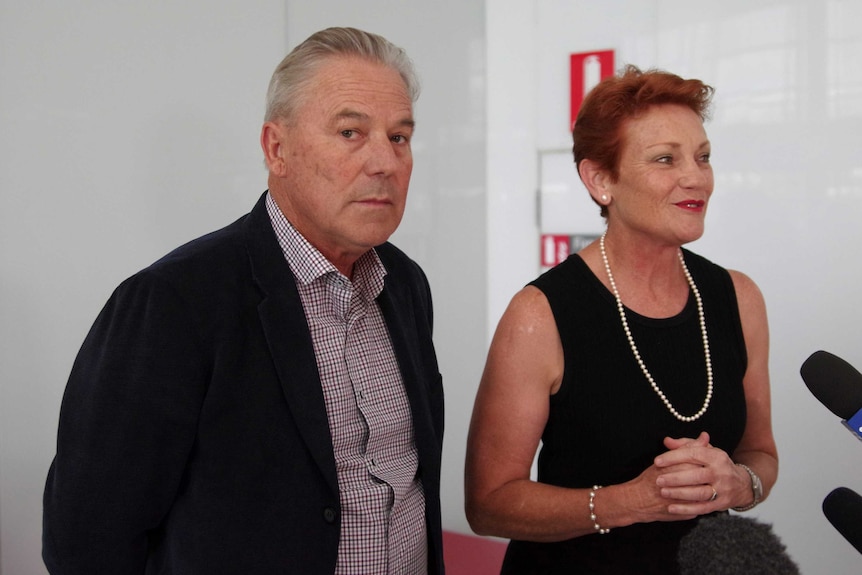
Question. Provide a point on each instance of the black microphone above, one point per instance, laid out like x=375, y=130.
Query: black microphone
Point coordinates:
x=843, y=508
x=725, y=544
x=838, y=386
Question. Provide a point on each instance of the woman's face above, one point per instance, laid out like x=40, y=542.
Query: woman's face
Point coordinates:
x=665, y=178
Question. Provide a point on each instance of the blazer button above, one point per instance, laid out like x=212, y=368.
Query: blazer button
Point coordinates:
x=329, y=515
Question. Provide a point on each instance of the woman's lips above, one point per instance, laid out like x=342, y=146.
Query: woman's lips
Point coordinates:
x=696, y=205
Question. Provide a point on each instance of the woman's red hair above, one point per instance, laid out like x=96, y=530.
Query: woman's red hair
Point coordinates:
x=598, y=132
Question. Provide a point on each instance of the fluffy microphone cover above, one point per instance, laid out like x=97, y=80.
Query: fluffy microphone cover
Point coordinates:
x=726, y=544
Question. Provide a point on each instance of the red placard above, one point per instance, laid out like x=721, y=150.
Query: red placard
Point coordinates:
x=555, y=249
x=586, y=70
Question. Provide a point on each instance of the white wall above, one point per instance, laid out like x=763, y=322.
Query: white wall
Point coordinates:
x=126, y=130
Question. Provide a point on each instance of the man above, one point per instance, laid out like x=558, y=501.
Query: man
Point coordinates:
x=266, y=398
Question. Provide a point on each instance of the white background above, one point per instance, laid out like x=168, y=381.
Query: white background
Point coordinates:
x=129, y=128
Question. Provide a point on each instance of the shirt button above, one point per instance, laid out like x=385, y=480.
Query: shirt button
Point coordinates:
x=329, y=515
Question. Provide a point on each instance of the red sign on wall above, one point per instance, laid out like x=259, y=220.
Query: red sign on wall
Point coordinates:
x=586, y=70
x=555, y=249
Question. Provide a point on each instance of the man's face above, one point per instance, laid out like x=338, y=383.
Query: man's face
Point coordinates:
x=340, y=167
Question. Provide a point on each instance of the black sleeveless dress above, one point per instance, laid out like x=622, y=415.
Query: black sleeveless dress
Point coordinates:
x=606, y=424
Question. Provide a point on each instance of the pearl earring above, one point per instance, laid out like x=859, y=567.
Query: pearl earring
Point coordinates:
x=604, y=198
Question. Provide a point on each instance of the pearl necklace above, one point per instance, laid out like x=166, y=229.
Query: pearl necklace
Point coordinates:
x=621, y=309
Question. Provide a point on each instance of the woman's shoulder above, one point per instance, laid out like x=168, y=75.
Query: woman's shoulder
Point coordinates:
x=743, y=288
x=696, y=261
x=705, y=270
x=748, y=294
x=562, y=276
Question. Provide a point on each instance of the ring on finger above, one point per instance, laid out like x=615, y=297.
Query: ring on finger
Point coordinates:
x=714, y=494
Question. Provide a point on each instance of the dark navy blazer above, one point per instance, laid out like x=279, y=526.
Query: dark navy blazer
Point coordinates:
x=193, y=435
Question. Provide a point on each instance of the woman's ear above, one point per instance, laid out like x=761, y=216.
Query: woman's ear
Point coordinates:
x=596, y=180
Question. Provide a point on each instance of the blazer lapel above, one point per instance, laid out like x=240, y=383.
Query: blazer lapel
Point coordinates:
x=286, y=329
x=397, y=307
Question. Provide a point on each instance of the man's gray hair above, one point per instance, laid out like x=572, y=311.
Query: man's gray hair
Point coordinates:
x=294, y=74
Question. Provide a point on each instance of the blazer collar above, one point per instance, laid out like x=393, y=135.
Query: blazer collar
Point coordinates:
x=286, y=330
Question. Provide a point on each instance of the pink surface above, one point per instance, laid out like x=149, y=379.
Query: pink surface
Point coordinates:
x=472, y=555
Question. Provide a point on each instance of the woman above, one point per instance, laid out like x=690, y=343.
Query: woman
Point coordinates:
x=641, y=366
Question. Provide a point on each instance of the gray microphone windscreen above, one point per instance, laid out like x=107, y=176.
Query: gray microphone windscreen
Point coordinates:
x=725, y=544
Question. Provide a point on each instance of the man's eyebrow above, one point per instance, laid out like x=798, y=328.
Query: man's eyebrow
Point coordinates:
x=348, y=114
x=408, y=123
x=351, y=115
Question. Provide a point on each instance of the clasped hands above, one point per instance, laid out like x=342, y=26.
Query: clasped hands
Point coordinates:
x=692, y=478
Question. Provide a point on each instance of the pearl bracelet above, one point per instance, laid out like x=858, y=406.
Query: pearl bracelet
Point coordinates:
x=601, y=530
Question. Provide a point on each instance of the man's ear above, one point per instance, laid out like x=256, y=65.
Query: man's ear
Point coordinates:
x=272, y=137
x=596, y=180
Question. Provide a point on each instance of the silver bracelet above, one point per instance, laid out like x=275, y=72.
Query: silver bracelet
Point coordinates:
x=599, y=529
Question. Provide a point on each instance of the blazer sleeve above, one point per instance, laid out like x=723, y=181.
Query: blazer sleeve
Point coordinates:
x=127, y=425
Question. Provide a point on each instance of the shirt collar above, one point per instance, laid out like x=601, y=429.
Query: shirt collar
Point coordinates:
x=308, y=264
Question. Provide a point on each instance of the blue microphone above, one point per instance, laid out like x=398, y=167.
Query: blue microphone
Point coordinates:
x=838, y=386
